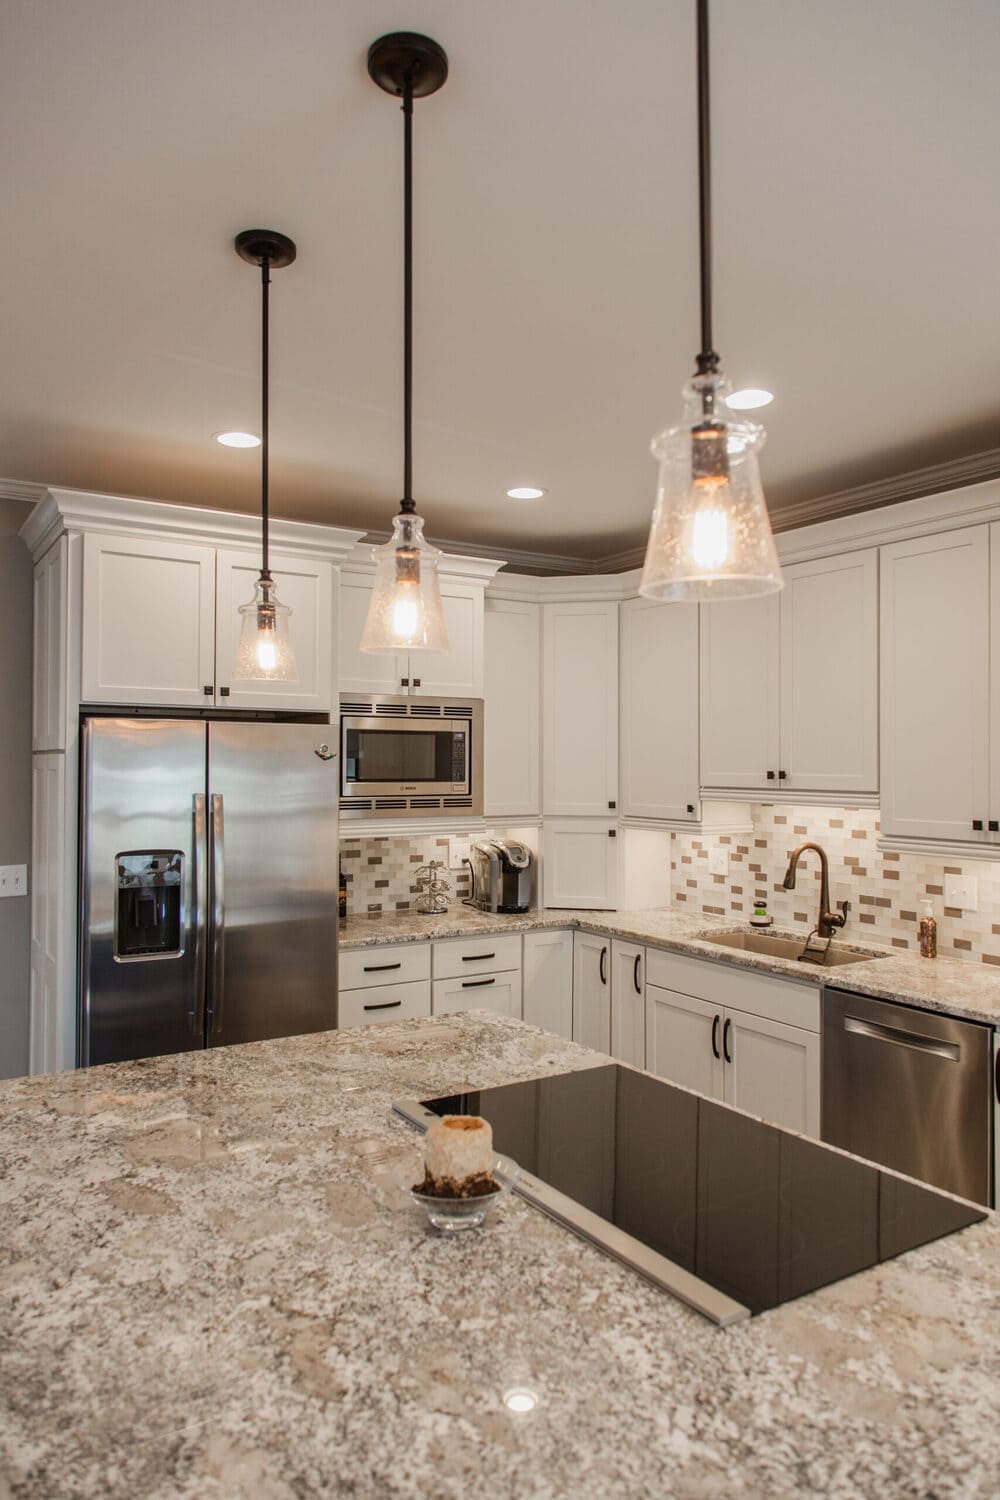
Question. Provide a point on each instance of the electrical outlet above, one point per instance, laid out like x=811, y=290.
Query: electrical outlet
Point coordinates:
x=962, y=891
x=718, y=860
x=13, y=880
x=458, y=849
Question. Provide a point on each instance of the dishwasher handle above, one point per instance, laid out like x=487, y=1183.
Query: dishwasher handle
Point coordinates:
x=950, y=1051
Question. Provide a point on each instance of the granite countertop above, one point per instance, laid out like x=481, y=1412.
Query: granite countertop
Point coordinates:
x=942, y=984
x=212, y=1291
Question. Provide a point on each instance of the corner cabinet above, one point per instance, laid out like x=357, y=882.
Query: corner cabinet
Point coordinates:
x=511, y=709
x=659, y=710
x=580, y=709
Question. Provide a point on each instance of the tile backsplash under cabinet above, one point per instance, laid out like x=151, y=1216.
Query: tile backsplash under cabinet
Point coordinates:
x=381, y=872
x=884, y=888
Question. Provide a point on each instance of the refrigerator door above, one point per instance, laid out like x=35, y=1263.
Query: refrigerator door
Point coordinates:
x=272, y=960
x=143, y=882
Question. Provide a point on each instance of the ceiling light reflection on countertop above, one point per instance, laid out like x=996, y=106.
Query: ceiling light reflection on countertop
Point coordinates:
x=237, y=439
x=520, y=1399
x=749, y=399
x=525, y=492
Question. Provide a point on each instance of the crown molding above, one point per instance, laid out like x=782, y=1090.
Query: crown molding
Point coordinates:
x=20, y=489
x=466, y=567
x=914, y=484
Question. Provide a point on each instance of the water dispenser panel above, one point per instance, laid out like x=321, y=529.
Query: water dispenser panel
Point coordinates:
x=149, y=910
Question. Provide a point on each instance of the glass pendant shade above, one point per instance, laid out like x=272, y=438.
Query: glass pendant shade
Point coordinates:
x=405, y=613
x=710, y=537
x=264, y=652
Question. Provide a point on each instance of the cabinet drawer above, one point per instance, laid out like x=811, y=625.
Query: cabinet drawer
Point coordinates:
x=489, y=954
x=399, y=963
x=500, y=993
x=735, y=988
x=384, y=1002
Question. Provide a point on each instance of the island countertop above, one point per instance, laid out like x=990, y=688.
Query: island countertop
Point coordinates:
x=212, y=1290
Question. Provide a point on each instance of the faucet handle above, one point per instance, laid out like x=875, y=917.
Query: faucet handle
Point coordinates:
x=843, y=907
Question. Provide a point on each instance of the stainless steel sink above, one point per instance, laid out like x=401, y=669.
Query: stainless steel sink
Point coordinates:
x=773, y=946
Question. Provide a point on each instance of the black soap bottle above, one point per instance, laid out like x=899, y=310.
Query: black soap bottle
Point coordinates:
x=342, y=904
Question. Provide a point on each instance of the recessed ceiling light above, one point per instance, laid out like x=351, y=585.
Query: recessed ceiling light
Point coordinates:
x=525, y=492
x=237, y=439
x=749, y=399
x=520, y=1399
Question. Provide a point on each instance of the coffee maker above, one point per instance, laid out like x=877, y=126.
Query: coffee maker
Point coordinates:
x=501, y=876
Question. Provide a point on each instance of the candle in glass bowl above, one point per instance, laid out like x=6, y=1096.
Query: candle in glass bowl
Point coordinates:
x=458, y=1157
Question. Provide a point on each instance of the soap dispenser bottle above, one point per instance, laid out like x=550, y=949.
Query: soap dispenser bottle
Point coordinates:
x=927, y=930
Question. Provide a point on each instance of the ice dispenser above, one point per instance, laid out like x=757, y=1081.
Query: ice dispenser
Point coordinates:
x=149, y=911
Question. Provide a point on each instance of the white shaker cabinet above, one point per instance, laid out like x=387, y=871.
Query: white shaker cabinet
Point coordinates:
x=458, y=672
x=682, y=1040
x=659, y=710
x=592, y=991
x=580, y=868
x=772, y=1070
x=362, y=672
x=306, y=587
x=548, y=980
x=739, y=693
x=51, y=654
x=499, y=993
x=628, y=1008
x=580, y=709
x=512, y=660
x=935, y=686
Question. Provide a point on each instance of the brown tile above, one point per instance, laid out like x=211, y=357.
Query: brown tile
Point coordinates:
x=890, y=856
x=952, y=869
x=867, y=900
x=934, y=890
x=962, y=944
x=760, y=843
x=350, y=853
x=780, y=818
x=836, y=822
x=736, y=905
x=907, y=916
x=680, y=896
x=991, y=958
x=742, y=849
x=719, y=879
x=686, y=859
x=736, y=890
x=800, y=828
x=859, y=833
x=760, y=895
x=890, y=874
x=851, y=859
x=953, y=911
x=996, y=928
x=754, y=869
x=800, y=916
x=402, y=905
x=416, y=859
x=692, y=885
x=715, y=911
x=374, y=859
x=724, y=838
x=867, y=918
x=900, y=942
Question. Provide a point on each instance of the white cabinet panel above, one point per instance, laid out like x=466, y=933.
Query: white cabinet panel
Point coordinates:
x=48, y=1049
x=383, y=1002
x=580, y=863
x=306, y=587
x=580, y=709
x=659, y=709
x=935, y=684
x=683, y=1041
x=360, y=672
x=829, y=674
x=548, y=981
x=50, y=649
x=459, y=671
x=511, y=693
x=396, y=963
x=592, y=991
x=148, y=621
x=773, y=1071
x=499, y=993
x=628, y=1006
x=739, y=693
x=486, y=953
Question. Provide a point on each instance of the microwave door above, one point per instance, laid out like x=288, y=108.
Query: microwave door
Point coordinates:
x=400, y=756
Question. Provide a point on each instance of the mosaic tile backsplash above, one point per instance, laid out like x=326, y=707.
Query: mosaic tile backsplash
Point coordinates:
x=380, y=872
x=885, y=889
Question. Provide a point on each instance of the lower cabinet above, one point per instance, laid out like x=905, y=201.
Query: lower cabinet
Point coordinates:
x=477, y=973
x=548, y=980
x=628, y=1009
x=592, y=991
x=391, y=983
x=500, y=993
x=384, y=1002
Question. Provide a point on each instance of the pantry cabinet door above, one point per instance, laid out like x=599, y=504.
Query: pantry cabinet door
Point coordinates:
x=829, y=674
x=511, y=709
x=306, y=587
x=774, y=1071
x=659, y=710
x=580, y=709
x=739, y=694
x=935, y=685
x=148, y=622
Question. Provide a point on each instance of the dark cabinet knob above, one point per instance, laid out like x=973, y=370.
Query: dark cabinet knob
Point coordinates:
x=208, y=690
x=612, y=805
x=782, y=775
x=977, y=825
x=404, y=682
x=690, y=807
x=416, y=682
x=993, y=826
x=223, y=692
x=612, y=833
x=770, y=775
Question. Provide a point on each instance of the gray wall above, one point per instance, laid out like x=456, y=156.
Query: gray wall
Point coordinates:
x=15, y=782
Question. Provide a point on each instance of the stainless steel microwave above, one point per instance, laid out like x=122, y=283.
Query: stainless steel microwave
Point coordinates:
x=403, y=756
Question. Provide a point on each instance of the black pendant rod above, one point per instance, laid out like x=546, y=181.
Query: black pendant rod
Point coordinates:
x=408, y=506
x=265, y=355
x=708, y=360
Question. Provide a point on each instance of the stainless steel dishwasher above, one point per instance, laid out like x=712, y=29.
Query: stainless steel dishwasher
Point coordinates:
x=909, y=1089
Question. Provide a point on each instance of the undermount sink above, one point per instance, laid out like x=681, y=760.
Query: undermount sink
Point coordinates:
x=773, y=946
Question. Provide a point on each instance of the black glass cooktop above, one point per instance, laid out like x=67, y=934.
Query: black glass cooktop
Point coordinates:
x=760, y=1215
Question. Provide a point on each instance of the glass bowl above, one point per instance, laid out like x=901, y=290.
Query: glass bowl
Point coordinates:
x=450, y=1215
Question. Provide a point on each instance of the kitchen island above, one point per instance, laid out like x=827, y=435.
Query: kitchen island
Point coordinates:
x=211, y=1287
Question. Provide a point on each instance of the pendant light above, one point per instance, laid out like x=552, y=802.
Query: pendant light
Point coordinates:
x=710, y=537
x=264, y=652
x=405, y=612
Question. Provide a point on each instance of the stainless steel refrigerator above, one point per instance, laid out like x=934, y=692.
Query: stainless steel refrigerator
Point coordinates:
x=208, y=884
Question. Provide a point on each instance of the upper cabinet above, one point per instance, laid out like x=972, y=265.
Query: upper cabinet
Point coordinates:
x=659, y=710
x=307, y=588
x=936, y=686
x=789, y=683
x=511, y=709
x=580, y=709
x=49, y=665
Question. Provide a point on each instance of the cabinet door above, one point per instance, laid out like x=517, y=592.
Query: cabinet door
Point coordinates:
x=148, y=622
x=580, y=709
x=383, y=1002
x=739, y=693
x=659, y=709
x=935, y=684
x=458, y=672
x=50, y=649
x=994, y=807
x=592, y=991
x=628, y=1006
x=829, y=674
x=307, y=589
x=499, y=993
x=511, y=681
x=580, y=863
x=548, y=981
x=773, y=1071
x=683, y=1036
x=359, y=671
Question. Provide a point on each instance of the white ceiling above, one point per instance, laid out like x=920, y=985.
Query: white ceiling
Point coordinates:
x=857, y=223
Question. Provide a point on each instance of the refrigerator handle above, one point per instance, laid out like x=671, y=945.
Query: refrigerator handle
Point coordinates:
x=218, y=928
x=196, y=1013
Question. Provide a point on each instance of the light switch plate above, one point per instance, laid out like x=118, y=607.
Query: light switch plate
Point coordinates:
x=13, y=880
x=962, y=891
x=718, y=861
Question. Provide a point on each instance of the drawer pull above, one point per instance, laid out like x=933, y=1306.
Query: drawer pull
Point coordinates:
x=380, y=968
x=726, y=1032
x=474, y=984
x=475, y=958
x=384, y=1005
